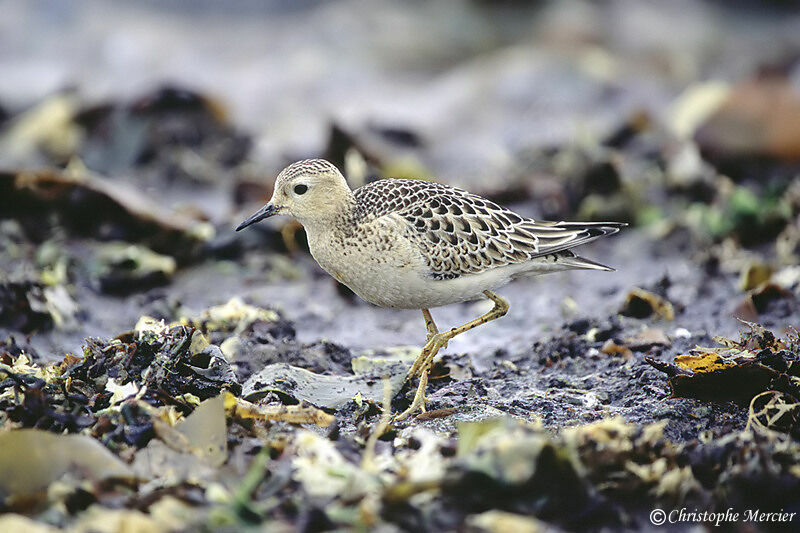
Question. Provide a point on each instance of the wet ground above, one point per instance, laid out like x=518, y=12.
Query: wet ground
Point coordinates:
x=118, y=199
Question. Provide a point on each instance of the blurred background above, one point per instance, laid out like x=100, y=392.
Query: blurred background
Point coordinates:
x=476, y=81
x=165, y=123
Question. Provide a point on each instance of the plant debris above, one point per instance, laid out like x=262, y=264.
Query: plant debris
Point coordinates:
x=28, y=305
x=122, y=268
x=117, y=210
x=641, y=303
x=757, y=363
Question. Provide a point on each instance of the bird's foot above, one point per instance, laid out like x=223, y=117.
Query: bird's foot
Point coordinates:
x=422, y=368
x=435, y=343
x=419, y=398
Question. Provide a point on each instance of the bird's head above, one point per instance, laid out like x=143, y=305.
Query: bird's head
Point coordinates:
x=313, y=191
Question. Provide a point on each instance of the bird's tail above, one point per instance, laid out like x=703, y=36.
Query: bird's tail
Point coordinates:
x=577, y=262
x=558, y=262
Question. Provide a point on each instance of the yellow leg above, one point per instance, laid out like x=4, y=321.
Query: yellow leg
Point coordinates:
x=432, y=329
x=430, y=325
x=437, y=341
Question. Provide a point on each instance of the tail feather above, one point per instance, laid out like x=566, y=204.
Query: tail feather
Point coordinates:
x=558, y=262
x=554, y=237
x=577, y=262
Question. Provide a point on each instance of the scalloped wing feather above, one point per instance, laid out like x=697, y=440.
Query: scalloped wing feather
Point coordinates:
x=461, y=233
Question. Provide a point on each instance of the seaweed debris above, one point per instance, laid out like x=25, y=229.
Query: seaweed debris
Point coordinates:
x=157, y=415
x=759, y=370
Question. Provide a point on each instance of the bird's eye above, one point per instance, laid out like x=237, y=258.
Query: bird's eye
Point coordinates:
x=300, y=189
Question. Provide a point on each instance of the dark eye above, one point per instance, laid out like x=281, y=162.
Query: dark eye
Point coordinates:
x=300, y=189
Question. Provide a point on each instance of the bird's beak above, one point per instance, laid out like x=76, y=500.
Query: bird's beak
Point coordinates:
x=265, y=212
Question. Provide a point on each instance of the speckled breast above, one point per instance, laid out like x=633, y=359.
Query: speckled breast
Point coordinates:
x=375, y=260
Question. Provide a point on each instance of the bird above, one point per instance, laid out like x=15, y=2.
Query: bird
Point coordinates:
x=418, y=244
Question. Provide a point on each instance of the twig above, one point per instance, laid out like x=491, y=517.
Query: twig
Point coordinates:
x=368, y=460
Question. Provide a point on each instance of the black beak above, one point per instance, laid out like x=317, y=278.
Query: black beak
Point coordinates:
x=265, y=212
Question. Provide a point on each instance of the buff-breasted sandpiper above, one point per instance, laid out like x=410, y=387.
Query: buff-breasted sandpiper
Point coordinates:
x=413, y=244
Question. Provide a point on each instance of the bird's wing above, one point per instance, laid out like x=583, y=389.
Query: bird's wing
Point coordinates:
x=461, y=233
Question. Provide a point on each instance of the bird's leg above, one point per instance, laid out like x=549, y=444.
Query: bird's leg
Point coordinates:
x=419, y=396
x=439, y=340
x=432, y=332
x=500, y=309
x=429, y=323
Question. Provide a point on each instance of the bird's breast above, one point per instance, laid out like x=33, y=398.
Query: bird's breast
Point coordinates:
x=379, y=265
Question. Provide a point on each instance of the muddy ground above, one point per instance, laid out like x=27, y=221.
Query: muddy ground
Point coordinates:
x=119, y=195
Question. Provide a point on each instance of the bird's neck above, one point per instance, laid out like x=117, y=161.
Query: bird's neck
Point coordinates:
x=333, y=219
x=326, y=234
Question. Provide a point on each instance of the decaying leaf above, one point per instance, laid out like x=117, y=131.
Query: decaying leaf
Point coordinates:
x=502, y=449
x=234, y=317
x=647, y=339
x=756, y=118
x=293, y=414
x=27, y=195
x=98, y=519
x=612, y=348
x=695, y=105
x=48, y=126
x=757, y=300
x=753, y=275
x=119, y=392
x=167, y=466
x=205, y=431
x=702, y=361
x=436, y=413
x=329, y=391
x=504, y=522
x=641, y=304
x=15, y=523
x=738, y=371
x=28, y=304
x=31, y=459
x=121, y=267
x=22, y=365
x=324, y=472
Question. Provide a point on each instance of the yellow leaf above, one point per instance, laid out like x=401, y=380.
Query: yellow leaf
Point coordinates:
x=703, y=362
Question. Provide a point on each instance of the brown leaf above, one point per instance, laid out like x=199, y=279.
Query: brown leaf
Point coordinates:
x=612, y=348
x=647, y=339
x=436, y=413
x=641, y=304
x=758, y=118
x=735, y=372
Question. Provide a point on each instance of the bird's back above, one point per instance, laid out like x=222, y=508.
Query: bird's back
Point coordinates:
x=459, y=233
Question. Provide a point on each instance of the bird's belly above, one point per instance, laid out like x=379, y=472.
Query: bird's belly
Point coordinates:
x=387, y=287
x=383, y=283
x=404, y=284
